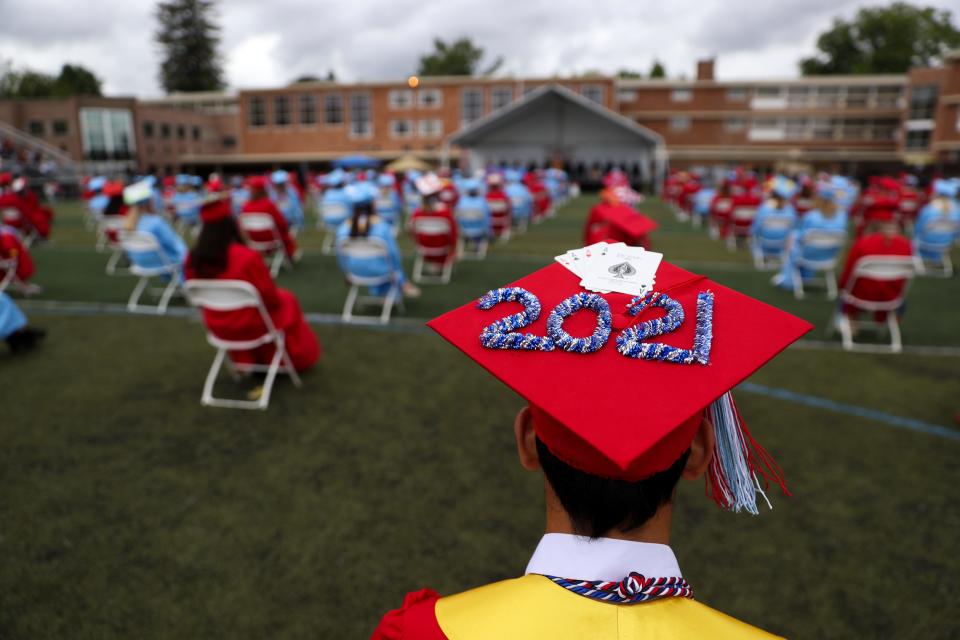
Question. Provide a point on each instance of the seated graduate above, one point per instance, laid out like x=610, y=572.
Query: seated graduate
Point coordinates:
x=19, y=336
x=365, y=222
x=882, y=237
x=97, y=201
x=335, y=204
x=521, y=200
x=501, y=211
x=220, y=253
x=239, y=193
x=824, y=216
x=611, y=462
x=287, y=199
x=473, y=200
x=541, y=197
x=14, y=194
x=720, y=208
x=943, y=206
x=430, y=188
x=778, y=205
x=387, y=203
x=142, y=217
x=259, y=202
x=186, y=200
x=11, y=248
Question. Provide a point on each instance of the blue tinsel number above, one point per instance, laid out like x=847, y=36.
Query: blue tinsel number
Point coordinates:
x=631, y=341
x=503, y=334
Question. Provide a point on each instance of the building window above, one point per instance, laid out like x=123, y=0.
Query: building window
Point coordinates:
x=828, y=97
x=258, y=112
x=181, y=132
x=918, y=140
x=196, y=133
x=360, y=115
x=593, y=92
x=148, y=129
x=107, y=134
x=626, y=95
x=333, y=109
x=164, y=130
x=768, y=92
x=60, y=127
x=432, y=128
x=736, y=94
x=857, y=97
x=923, y=102
x=825, y=128
x=501, y=97
x=308, y=109
x=281, y=111
x=228, y=142
x=679, y=123
x=401, y=128
x=796, y=128
x=681, y=95
x=36, y=127
x=798, y=96
x=471, y=108
x=888, y=97
x=401, y=98
x=735, y=125
x=430, y=98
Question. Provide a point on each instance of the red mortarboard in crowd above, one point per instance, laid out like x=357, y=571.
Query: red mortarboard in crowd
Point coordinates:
x=5, y=178
x=257, y=182
x=620, y=417
x=112, y=189
x=215, y=208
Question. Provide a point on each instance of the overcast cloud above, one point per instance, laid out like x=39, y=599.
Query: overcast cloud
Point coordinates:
x=270, y=42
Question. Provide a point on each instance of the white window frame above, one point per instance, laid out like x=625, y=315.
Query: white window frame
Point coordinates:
x=352, y=132
x=502, y=91
x=343, y=110
x=464, y=121
x=676, y=120
x=594, y=87
x=410, y=128
x=437, y=93
x=737, y=94
x=681, y=95
x=401, y=98
x=735, y=125
x=424, y=126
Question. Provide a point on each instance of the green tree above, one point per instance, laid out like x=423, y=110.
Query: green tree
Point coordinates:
x=189, y=38
x=629, y=74
x=75, y=80
x=306, y=78
x=458, y=58
x=889, y=39
x=657, y=70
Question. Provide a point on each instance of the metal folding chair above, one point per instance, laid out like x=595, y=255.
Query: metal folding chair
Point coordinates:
x=884, y=268
x=822, y=241
x=273, y=250
x=767, y=252
x=740, y=220
x=369, y=249
x=945, y=228
x=425, y=227
x=500, y=214
x=332, y=215
x=12, y=217
x=142, y=246
x=468, y=220
x=234, y=295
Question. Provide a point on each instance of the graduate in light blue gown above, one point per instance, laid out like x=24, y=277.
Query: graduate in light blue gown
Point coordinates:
x=365, y=223
x=771, y=241
x=388, y=203
x=825, y=216
x=701, y=203
x=287, y=199
x=186, y=200
x=99, y=201
x=930, y=243
x=239, y=194
x=473, y=228
x=521, y=200
x=335, y=204
x=143, y=218
x=14, y=328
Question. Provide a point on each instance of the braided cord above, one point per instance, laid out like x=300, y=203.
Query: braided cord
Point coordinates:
x=634, y=589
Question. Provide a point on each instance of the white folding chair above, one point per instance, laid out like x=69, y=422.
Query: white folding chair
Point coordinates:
x=413, y=201
x=944, y=227
x=723, y=205
x=740, y=219
x=369, y=249
x=823, y=241
x=768, y=252
x=519, y=222
x=500, y=214
x=471, y=219
x=431, y=226
x=144, y=245
x=12, y=217
x=186, y=218
x=235, y=295
x=883, y=268
x=8, y=272
x=273, y=250
x=332, y=215
x=109, y=233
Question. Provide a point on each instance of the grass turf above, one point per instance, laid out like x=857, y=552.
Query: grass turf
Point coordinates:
x=127, y=510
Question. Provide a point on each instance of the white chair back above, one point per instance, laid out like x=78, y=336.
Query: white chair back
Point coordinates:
x=804, y=203
x=257, y=222
x=743, y=214
x=470, y=215
x=431, y=226
x=384, y=203
x=823, y=239
x=138, y=242
x=776, y=223
x=334, y=212
x=365, y=249
x=229, y=295
x=908, y=206
x=885, y=268
x=724, y=205
x=497, y=206
x=11, y=215
x=941, y=226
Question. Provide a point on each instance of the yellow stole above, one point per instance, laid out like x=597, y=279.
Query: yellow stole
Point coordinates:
x=533, y=607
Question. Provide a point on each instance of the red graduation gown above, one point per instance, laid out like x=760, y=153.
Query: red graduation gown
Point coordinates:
x=34, y=215
x=243, y=263
x=265, y=205
x=9, y=245
x=448, y=241
x=501, y=211
x=875, y=244
x=617, y=223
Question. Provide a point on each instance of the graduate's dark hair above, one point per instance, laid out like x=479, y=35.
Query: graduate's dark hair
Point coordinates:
x=360, y=222
x=209, y=255
x=598, y=505
x=114, y=206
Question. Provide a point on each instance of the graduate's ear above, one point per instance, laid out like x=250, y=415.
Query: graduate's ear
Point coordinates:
x=526, y=440
x=701, y=450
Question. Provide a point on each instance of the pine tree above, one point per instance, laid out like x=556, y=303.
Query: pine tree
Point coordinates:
x=189, y=38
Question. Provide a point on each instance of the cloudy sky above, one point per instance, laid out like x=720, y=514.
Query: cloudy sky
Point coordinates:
x=269, y=42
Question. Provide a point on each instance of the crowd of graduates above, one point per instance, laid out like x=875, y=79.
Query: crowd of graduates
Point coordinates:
x=777, y=216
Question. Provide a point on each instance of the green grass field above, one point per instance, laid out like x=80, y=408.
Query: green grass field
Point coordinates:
x=129, y=511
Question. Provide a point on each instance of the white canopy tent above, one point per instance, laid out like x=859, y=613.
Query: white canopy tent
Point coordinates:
x=553, y=123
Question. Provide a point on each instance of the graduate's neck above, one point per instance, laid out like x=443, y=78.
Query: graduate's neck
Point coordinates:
x=656, y=529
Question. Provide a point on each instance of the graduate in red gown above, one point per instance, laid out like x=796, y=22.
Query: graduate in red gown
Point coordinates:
x=501, y=210
x=541, y=196
x=220, y=253
x=430, y=188
x=720, y=208
x=11, y=247
x=612, y=221
x=260, y=202
x=880, y=202
x=34, y=217
x=882, y=237
x=610, y=462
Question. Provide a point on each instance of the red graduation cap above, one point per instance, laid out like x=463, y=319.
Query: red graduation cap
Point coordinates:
x=215, y=207
x=623, y=417
x=631, y=223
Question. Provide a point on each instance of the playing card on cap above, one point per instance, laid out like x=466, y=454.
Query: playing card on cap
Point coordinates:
x=630, y=270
